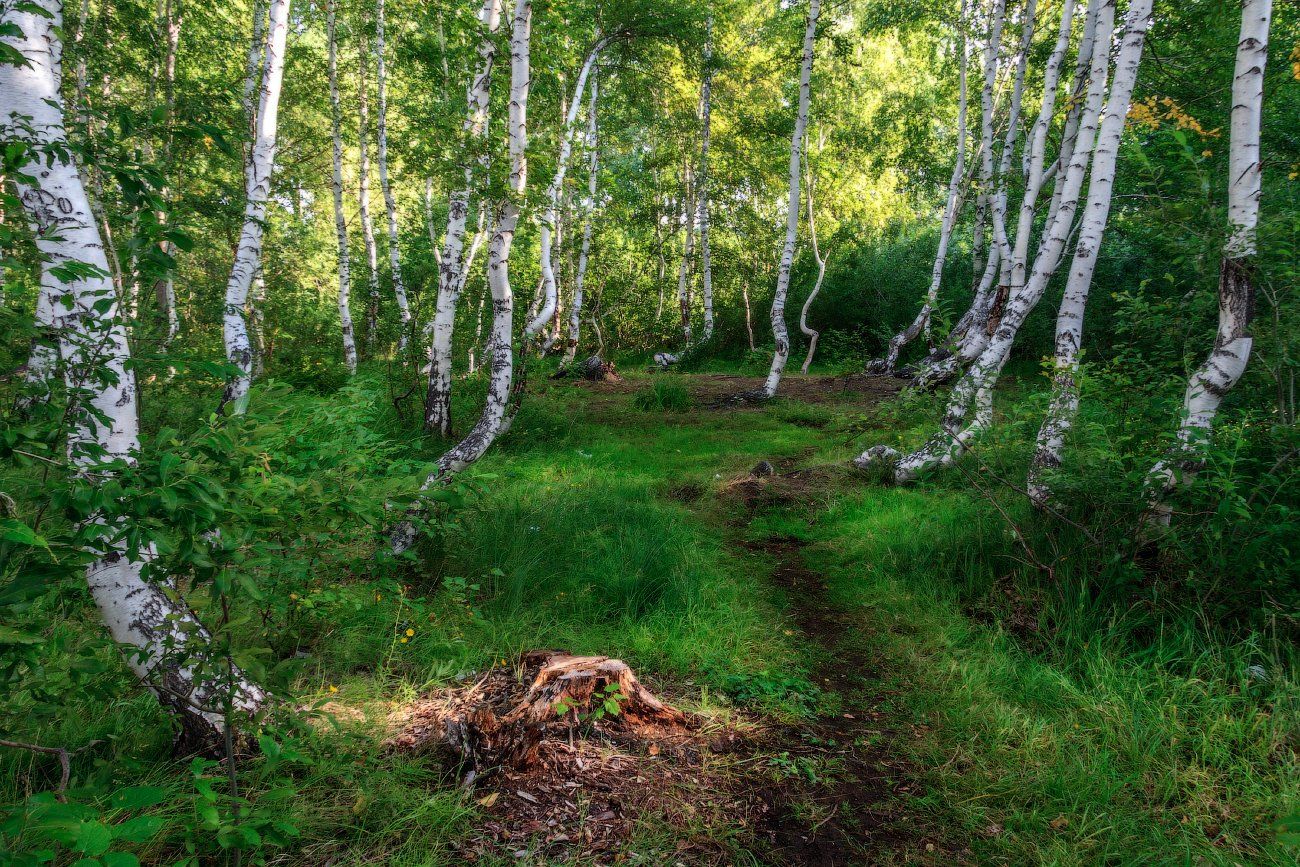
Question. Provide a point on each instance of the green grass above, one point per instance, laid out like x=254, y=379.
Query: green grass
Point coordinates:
x=1106, y=736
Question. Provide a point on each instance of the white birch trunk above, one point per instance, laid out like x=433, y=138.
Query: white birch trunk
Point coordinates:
x=811, y=334
x=702, y=183
x=589, y=217
x=340, y=220
x=257, y=189
x=921, y=324
x=1233, y=341
x=779, y=331
x=1069, y=322
x=453, y=268
x=381, y=155
x=173, y=658
x=363, y=195
x=547, y=227
x=500, y=349
x=976, y=385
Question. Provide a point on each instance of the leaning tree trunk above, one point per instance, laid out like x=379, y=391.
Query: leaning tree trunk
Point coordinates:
x=171, y=650
x=1232, y=342
x=546, y=230
x=340, y=221
x=974, y=389
x=808, y=331
x=702, y=184
x=257, y=189
x=381, y=155
x=589, y=217
x=500, y=349
x=1069, y=322
x=921, y=324
x=779, y=331
x=453, y=268
x=363, y=195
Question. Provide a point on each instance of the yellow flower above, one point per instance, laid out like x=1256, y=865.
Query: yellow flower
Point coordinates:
x=405, y=640
x=293, y=595
x=1207, y=153
x=1293, y=176
x=410, y=632
x=333, y=688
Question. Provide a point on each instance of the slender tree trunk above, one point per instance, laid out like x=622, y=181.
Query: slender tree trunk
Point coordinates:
x=821, y=274
x=549, y=214
x=1233, y=341
x=749, y=315
x=453, y=268
x=779, y=332
x=363, y=195
x=340, y=220
x=922, y=321
x=702, y=183
x=165, y=289
x=500, y=348
x=688, y=253
x=172, y=648
x=390, y=203
x=589, y=217
x=974, y=389
x=257, y=188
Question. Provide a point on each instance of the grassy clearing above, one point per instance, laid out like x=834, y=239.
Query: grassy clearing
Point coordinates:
x=1050, y=727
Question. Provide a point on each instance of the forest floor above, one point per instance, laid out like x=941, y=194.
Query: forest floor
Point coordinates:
x=875, y=674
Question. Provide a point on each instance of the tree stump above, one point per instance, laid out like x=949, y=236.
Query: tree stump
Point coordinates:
x=492, y=725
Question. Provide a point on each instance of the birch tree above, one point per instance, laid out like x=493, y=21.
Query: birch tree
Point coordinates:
x=974, y=389
x=1069, y=321
x=257, y=188
x=702, y=183
x=500, y=348
x=808, y=331
x=381, y=155
x=547, y=224
x=363, y=194
x=453, y=268
x=1212, y=381
x=688, y=253
x=170, y=648
x=589, y=217
x=340, y=220
x=951, y=209
x=779, y=331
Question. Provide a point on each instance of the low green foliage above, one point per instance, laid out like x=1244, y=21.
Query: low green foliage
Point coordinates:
x=662, y=394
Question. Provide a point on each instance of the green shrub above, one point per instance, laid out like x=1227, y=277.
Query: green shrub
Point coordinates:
x=662, y=395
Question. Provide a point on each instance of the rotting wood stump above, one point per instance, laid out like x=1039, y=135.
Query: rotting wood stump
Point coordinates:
x=593, y=369
x=503, y=719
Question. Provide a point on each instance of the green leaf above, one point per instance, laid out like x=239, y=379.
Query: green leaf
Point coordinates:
x=92, y=838
x=136, y=797
x=18, y=532
x=140, y=829
x=120, y=859
x=9, y=635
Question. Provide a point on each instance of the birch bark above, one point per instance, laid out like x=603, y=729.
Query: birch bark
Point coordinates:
x=589, y=217
x=702, y=183
x=453, y=268
x=381, y=155
x=500, y=349
x=257, y=188
x=340, y=220
x=363, y=195
x=688, y=253
x=173, y=657
x=1069, y=322
x=821, y=274
x=1233, y=341
x=779, y=332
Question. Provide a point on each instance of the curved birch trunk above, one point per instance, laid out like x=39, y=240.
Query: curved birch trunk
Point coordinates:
x=589, y=217
x=976, y=385
x=702, y=183
x=821, y=274
x=952, y=206
x=257, y=188
x=1069, y=322
x=1232, y=342
x=173, y=656
x=340, y=220
x=381, y=155
x=779, y=332
x=453, y=267
x=546, y=231
x=500, y=348
x=363, y=196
